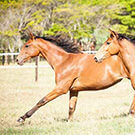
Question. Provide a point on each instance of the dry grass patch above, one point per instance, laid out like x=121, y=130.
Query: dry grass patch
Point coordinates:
x=97, y=113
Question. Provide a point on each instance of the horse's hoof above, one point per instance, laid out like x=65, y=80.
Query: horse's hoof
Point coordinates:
x=20, y=120
x=70, y=120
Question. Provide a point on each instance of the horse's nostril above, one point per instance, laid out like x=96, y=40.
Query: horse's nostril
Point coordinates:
x=95, y=58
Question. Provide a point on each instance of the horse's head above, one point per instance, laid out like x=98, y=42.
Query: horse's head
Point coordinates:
x=110, y=47
x=29, y=50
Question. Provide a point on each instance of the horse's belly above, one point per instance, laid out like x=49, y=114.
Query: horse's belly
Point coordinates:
x=94, y=84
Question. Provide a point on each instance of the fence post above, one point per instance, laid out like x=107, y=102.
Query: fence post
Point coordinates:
x=3, y=58
x=36, y=69
x=8, y=58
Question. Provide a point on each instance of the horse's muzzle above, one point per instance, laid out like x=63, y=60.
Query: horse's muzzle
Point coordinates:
x=19, y=62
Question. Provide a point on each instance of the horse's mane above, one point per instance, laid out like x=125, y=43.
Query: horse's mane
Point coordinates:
x=129, y=38
x=64, y=42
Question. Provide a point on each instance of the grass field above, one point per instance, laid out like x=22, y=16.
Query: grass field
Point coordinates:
x=97, y=113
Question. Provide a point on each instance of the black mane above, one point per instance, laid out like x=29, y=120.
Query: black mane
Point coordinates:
x=129, y=38
x=64, y=42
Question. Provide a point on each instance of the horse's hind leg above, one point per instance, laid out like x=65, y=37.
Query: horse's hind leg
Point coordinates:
x=132, y=108
x=72, y=103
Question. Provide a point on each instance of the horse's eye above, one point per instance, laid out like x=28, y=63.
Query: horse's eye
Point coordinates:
x=26, y=46
x=108, y=43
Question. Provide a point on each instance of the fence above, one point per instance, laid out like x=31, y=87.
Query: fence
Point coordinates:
x=36, y=66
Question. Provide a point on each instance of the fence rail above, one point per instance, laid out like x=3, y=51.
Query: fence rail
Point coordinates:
x=8, y=54
x=89, y=52
x=11, y=54
x=30, y=66
x=36, y=66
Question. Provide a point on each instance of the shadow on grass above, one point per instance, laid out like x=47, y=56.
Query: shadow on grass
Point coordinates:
x=61, y=120
x=115, y=116
x=26, y=131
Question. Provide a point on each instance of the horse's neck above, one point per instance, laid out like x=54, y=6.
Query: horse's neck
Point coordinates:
x=127, y=51
x=53, y=54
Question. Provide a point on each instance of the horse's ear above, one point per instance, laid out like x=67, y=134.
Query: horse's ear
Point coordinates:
x=113, y=34
x=32, y=37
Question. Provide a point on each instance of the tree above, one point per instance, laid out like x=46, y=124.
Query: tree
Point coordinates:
x=80, y=19
x=124, y=20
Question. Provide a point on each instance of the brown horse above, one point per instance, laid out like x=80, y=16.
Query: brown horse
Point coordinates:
x=74, y=71
x=120, y=45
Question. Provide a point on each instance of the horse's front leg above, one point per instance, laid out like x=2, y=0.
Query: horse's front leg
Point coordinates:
x=52, y=95
x=72, y=103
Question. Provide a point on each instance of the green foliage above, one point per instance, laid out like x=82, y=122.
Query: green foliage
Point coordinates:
x=55, y=29
x=83, y=19
x=126, y=17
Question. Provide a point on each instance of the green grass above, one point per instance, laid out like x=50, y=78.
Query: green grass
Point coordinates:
x=97, y=113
